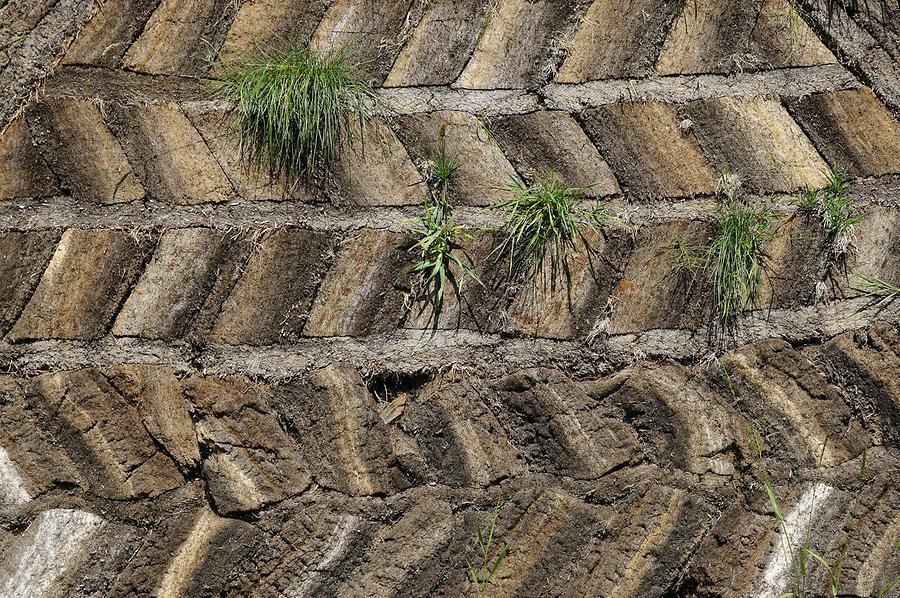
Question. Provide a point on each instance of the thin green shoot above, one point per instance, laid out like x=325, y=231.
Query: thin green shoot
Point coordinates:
x=543, y=224
x=296, y=108
x=491, y=558
x=888, y=586
x=598, y=216
x=439, y=239
x=885, y=292
x=487, y=131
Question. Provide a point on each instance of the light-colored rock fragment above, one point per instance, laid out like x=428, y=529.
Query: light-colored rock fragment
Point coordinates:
x=13, y=490
x=47, y=550
x=778, y=571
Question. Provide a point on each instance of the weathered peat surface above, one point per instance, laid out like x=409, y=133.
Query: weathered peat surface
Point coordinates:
x=211, y=387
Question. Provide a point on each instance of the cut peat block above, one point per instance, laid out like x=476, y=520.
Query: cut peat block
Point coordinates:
x=617, y=40
x=23, y=172
x=169, y=154
x=719, y=36
x=373, y=29
x=178, y=37
x=852, y=129
x=271, y=301
x=108, y=35
x=756, y=139
x=23, y=258
x=517, y=46
x=652, y=293
x=482, y=167
x=77, y=144
x=440, y=45
x=364, y=291
x=81, y=288
x=545, y=142
x=650, y=151
x=174, y=285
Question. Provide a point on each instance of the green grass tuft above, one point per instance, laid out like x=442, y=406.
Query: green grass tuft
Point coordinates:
x=296, y=108
x=543, y=223
x=689, y=259
x=732, y=263
x=809, y=201
x=440, y=237
x=838, y=213
x=735, y=258
x=835, y=208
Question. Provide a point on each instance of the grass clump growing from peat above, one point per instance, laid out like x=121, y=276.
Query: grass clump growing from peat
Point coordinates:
x=441, y=167
x=296, y=108
x=543, y=224
x=733, y=261
x=735, y=258
x=836, y=210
